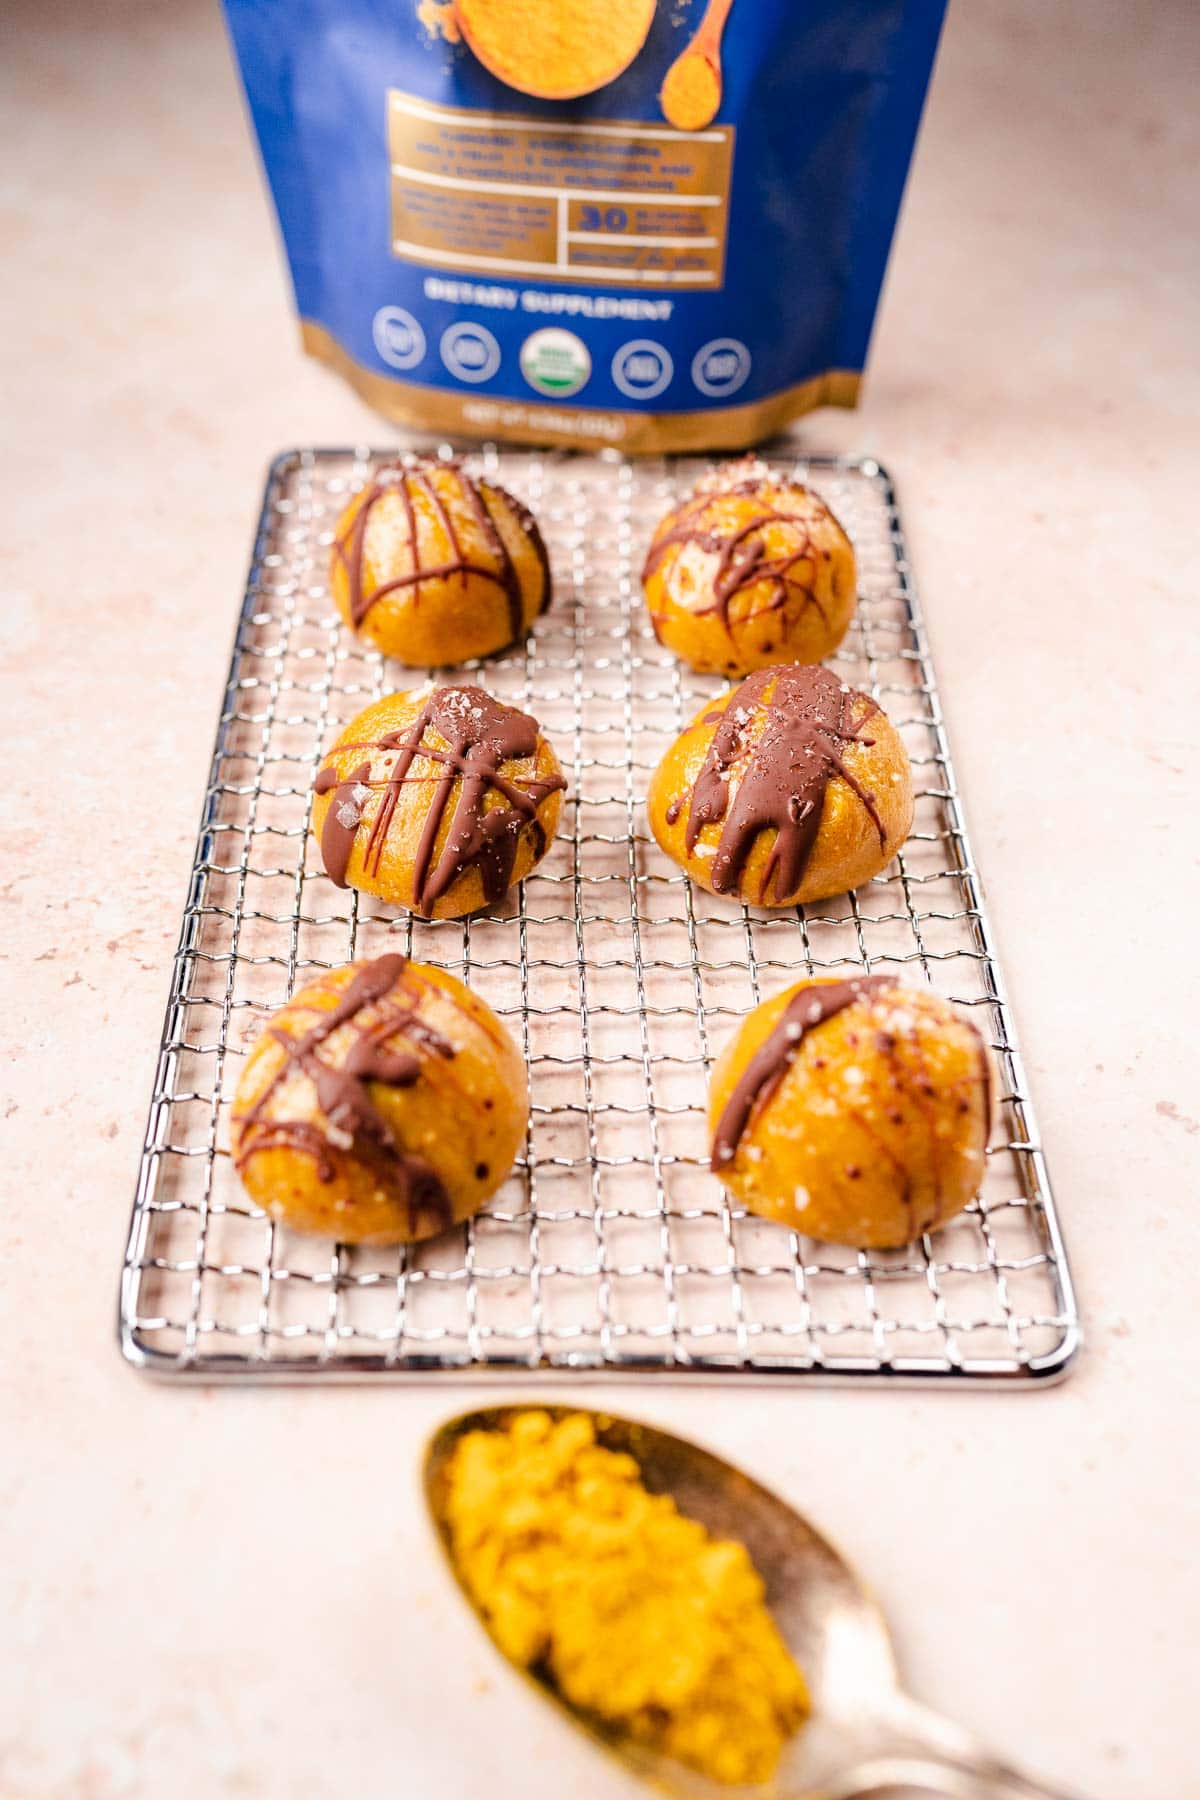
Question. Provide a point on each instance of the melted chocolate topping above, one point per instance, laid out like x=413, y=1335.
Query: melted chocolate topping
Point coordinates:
x=770, y=1062
x=908, y=1080
x=343, y=818
x=807, y=718
x=409, y=479
x=341, y=1086
x=742, y=558
x=480, y=734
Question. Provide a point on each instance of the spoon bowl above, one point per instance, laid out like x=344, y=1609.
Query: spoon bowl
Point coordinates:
x=701, y=57
x=864, y=1735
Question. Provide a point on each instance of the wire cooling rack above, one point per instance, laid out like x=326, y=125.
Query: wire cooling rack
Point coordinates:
x=610, y=1248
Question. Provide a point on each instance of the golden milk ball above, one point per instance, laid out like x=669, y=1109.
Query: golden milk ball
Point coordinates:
x=790, y=787
x=753, y=569
x=440, y=799
x=854, y=1110
x=381, y=1105
x=435, y=567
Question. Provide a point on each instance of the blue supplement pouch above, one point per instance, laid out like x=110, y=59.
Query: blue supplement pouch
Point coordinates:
x=656, y=224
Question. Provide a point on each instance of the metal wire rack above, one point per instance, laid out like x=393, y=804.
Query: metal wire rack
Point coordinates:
x=610, y=1249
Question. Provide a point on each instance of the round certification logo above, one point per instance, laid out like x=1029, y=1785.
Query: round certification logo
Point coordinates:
x=720, y=367
x=555, y=362
x=470, y=352
x=642, y=369
x=398, y=338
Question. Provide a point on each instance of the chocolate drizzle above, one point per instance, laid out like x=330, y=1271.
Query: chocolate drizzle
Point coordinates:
x=342, y=1094
x=770, y=1062
x=479, y=735
x=807, y=720
x=408, y=480
x=742, y=556
x=343, y=818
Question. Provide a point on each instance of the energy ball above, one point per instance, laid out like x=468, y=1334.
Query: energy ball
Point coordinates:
x=383, y=1103
x=434, y=567
x=439, y=799
x=750, y=571
x=789, y=788
x=856, y=1111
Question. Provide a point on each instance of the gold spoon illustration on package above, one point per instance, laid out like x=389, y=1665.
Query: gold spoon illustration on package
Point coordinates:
x=691, y=91
x=864, y=1735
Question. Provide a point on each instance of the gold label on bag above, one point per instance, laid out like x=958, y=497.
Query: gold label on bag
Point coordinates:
x=496, y=194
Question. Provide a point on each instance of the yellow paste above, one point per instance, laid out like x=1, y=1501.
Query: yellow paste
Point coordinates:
x=691, y=92
x=633, y=1611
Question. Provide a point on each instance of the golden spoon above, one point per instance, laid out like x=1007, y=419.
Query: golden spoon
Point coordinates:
x=865, y=1736
x=691, y=90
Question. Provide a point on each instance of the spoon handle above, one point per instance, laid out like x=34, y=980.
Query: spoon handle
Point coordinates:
x=950, y=1781
x=923, y=1750
x=708, y=33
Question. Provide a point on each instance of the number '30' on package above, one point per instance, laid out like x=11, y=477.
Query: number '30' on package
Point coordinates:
x=656, y=224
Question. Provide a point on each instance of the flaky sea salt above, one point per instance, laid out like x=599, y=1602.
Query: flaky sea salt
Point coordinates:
x=731, y=474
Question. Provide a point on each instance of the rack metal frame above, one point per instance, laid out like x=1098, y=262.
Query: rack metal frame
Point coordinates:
x=610, y=1251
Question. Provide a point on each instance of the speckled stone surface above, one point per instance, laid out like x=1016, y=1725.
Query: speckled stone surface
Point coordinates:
x=219, y=1593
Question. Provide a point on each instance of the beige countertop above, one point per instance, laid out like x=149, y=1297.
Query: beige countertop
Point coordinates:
x=232, y=1593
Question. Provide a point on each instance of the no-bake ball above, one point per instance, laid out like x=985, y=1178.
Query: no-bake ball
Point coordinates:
x=382, y=1104
x=751, y=570
x=857, y=1111
x=790, y=787
x=439, y=799
x=434, y=566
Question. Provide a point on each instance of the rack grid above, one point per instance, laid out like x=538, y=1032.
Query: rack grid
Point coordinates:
x=610, y=1249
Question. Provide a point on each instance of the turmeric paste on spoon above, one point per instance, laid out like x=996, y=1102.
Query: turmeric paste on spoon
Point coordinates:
x=634, y=1613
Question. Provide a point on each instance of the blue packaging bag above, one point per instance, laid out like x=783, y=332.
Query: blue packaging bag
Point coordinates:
x=654, y=224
